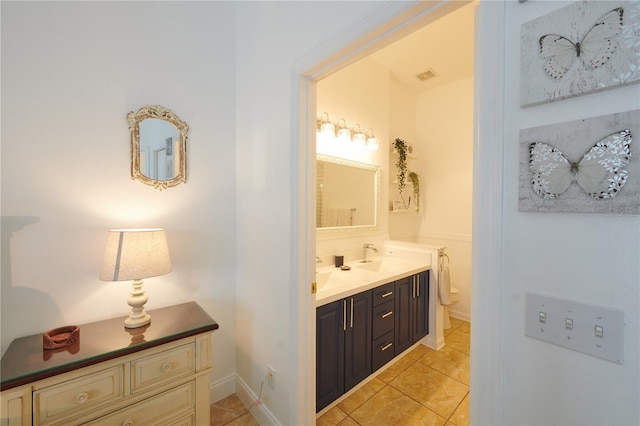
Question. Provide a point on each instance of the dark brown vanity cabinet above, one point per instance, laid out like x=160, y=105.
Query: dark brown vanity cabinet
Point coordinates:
x=343, y=346
x=411, y=310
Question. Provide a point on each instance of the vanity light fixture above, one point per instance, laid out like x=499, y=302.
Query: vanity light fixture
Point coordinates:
x=134, y=254
x=327, y=128
x=359, y=138
x=344, y=134
x=372, y=141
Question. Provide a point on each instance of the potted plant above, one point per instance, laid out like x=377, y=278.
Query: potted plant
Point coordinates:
x=415, y=181
x=400, y=147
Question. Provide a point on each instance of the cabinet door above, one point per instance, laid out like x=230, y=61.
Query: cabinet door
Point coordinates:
x=403, y=324
x=421, y=307
x=330, y=331
x=358, y=339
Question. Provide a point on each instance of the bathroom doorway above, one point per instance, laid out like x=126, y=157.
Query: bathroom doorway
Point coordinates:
x=486, y=176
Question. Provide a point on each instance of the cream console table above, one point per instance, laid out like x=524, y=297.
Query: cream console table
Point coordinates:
x=158, y=374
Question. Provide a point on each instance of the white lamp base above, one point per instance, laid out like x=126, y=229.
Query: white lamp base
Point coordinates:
x=138, y=317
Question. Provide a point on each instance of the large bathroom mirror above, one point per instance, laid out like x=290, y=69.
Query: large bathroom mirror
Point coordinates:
x=347, y=195
x=158, y=147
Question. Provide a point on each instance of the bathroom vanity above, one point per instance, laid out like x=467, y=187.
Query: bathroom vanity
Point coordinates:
x=364, y=318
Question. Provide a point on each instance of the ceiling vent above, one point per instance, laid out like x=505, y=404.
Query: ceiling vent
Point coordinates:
x=427, y=75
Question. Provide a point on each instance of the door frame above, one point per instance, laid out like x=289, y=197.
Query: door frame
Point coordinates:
x=391, y=22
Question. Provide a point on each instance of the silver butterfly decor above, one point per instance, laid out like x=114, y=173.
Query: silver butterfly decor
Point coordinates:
x=600, y=173
x=594, y=49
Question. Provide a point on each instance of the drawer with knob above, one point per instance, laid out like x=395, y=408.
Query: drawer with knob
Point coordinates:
x=155, y=369
x=175, y=406
x=74, y=397
x=383, y=293
x=383, y=351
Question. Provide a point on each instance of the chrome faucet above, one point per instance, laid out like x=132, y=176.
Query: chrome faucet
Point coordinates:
x=365, y=251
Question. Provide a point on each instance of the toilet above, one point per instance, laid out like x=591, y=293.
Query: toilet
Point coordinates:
x=455, y=297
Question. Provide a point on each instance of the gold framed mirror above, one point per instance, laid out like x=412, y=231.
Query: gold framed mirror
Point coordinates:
x=158, y=147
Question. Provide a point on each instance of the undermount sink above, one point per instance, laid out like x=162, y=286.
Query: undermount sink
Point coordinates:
x=382, y=265
x=322, y=278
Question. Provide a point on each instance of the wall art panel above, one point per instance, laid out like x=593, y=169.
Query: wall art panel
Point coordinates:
x=584, y=47
x=590, y=165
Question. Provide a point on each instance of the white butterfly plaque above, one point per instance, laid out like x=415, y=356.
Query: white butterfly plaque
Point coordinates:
x=585, y=47
x=589, y=165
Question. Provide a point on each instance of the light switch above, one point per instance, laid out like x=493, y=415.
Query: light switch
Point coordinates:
x=542, y=317
x=599, y=331
x=568, y=324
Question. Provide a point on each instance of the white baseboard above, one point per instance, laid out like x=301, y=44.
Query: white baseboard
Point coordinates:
x=222, y=388
x=260, y=412
x=460, y=315
x=430, y=341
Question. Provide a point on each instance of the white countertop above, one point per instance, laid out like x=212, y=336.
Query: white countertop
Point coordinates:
x=335, y=284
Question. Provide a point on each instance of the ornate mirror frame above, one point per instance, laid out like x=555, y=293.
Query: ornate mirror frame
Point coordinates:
x=161, y=113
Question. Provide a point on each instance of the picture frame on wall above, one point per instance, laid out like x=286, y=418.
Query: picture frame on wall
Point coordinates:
x=582, y=48
x=590, y=165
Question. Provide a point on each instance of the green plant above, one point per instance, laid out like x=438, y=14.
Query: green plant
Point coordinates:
x=400, y=147
x=415, y=181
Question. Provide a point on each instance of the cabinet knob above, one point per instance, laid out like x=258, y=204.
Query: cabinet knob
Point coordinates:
x=82, y=397
x=127, y=422
x=166, y=368
x=387, y=314
x=386, y=294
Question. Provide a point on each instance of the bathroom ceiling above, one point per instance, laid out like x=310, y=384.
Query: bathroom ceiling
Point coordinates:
x=445, y=46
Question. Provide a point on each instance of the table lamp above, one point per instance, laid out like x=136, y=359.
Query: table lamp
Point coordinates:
x=134, y=254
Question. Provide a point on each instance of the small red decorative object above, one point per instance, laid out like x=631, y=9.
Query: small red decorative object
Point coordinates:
x=61, y=337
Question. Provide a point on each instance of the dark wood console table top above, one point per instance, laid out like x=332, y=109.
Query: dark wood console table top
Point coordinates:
x=26, y=361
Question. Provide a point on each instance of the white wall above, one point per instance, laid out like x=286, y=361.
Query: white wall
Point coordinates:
x=270, y=38
x=445, y=152
x=71, y=71
x=592, y=258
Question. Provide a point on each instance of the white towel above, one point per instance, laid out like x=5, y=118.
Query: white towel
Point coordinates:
x=444, y=283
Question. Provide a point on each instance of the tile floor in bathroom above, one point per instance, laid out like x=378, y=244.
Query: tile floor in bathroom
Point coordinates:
x=423, y=387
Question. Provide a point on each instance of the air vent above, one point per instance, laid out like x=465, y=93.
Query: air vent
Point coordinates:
x=427, y=75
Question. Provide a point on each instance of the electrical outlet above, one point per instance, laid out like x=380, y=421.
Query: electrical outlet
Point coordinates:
x=271, y=376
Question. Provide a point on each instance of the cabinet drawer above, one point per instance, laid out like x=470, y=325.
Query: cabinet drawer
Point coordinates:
x=383, y=294
x=383, y=351
x=174, y=407
x=86, y=393
x=383, y=319
x=149, y=371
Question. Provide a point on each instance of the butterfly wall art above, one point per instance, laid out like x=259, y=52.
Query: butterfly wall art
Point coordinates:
x=589, y=165
x=585, y=47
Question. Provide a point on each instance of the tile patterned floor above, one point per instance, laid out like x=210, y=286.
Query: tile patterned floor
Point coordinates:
x=424, y=387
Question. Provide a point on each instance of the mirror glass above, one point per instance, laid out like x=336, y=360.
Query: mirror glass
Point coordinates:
x=158, y=146
x=347, y=194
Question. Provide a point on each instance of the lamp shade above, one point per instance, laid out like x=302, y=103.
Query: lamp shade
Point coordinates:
x=134, y=254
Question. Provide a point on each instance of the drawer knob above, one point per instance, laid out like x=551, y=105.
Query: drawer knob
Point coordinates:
x=127, y=422
x=166, y=368
x=387, y=314
x=386, y=294
x=81, y=398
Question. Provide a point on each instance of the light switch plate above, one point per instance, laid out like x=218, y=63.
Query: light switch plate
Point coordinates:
x=595, y=330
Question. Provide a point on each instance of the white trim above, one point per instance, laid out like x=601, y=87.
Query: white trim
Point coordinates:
x=449, y=236
x=260, y=412
x=486, y=268
x=222, y=388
